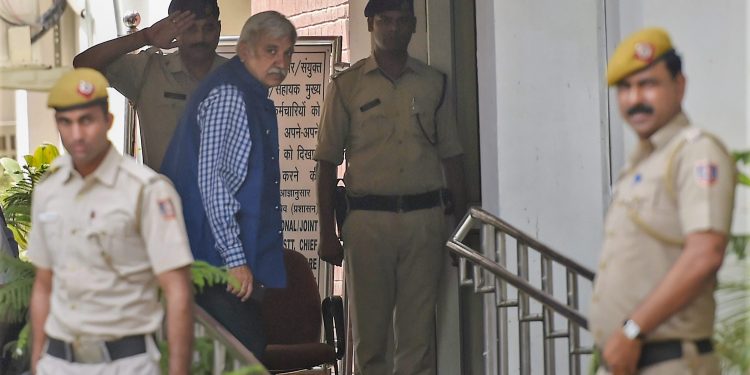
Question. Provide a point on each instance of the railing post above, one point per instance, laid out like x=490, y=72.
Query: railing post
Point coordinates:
x=574, y=341
x=501, y=296
x=490, y=303
x=548, y=318
x=524, y=330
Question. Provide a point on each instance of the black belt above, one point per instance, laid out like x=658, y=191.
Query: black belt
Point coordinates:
x=396, y=203
x=661, y=351
x=117, y=349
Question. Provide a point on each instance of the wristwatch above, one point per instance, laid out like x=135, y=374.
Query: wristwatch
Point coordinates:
x=632, y=330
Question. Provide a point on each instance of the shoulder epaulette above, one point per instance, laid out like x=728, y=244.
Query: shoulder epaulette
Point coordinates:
x=355, y=66
x=141, y=173
x=693, y=134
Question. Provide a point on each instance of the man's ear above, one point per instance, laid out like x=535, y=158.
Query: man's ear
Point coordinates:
x=110, y=120
x=242, y=50
x=369, y=24
x=681, y=84
x=414, y=25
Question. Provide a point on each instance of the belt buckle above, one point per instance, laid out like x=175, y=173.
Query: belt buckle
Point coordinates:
x=89, y=352
x=400, y=203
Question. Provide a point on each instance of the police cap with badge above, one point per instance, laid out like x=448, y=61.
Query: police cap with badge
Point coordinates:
x=376, y=6
x=638, y=51
x=200, y=8
x=78, y=88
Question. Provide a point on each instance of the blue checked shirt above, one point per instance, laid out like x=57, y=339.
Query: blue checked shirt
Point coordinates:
x=222, y=166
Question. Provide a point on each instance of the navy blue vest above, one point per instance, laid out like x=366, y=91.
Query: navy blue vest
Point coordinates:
x=259, y=216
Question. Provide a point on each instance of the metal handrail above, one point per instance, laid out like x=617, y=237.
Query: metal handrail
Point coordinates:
x=491, y=277
x=521, y=284
x=505, y=227
x=218, y=333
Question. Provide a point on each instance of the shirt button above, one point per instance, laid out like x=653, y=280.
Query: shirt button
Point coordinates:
x=268, y=132
x=276, y=208
x=280, y=232
x=276, y=182
x=273, y=158
x=72, y=306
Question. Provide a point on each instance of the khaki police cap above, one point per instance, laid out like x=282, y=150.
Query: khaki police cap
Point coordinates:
x=637, y=51
x=200, y=8
x=374, y=7
x=78, y=88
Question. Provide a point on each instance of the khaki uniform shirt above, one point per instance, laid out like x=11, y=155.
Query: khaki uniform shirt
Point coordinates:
x=387, y=129
x=105, y=238
x=681, y=181
x=159, y=86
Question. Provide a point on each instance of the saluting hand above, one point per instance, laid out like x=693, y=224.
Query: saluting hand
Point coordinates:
x=330, y=249
x=166, y=32
x=245, y=278
x=621, y=354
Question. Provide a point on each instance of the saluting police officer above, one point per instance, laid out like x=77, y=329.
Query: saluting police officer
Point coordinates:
x=159, y=84
x=385, y=113
x=653, y=308
x=107, y=233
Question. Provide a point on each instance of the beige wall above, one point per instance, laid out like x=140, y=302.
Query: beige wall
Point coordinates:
x=234, y=13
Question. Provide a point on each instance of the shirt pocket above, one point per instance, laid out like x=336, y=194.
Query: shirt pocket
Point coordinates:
x=654, y=212
x=51, y=225
x=371, y=128
x=116, y=242
x=422, y=118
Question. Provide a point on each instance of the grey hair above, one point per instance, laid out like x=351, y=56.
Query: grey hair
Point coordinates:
x=267, y=23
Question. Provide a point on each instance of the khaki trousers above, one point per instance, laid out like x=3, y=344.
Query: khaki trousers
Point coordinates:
x=393, y=265
x=691, y=363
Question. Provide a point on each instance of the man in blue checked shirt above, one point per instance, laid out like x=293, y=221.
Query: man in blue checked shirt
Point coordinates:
x=223, y=160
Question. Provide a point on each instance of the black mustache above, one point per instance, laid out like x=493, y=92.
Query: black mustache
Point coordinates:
x=640, y=108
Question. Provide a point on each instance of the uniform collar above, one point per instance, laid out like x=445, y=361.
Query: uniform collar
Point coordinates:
x=669, y=131
x=106, y=172
x=657, y=140
x=412, y=66
x=175, y=65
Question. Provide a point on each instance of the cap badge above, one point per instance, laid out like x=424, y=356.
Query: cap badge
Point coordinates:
x=85, y=89
x=644, y=51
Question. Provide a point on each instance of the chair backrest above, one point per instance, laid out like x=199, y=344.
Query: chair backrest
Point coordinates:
x=292, y=315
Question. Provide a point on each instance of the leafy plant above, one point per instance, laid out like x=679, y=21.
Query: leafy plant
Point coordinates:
x=16, y=199
x=733, y=328
x=15, y=296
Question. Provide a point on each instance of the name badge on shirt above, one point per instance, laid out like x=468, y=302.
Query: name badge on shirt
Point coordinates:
x=369, y=105
x=174, y=95
x=48, y=217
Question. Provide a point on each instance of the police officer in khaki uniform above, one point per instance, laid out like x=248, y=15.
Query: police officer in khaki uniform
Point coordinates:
x=158, y=84
x=107, y=233
x=652, y=310
x=385, y=114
